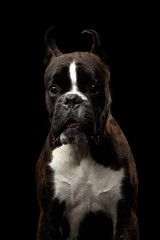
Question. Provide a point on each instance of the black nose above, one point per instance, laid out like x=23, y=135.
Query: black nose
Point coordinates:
x=72, y=100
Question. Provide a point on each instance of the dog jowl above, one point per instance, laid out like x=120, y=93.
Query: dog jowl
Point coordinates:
x=86, y=175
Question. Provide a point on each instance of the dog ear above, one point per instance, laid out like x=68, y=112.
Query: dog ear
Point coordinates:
x=106, y=112
x=51, y=49
x=96, y=46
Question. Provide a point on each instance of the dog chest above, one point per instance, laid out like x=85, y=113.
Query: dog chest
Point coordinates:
x=84, y=184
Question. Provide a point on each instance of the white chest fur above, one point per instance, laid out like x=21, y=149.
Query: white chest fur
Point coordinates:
x=84, y=184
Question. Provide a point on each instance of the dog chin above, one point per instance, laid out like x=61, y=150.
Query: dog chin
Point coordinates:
x=72, y=136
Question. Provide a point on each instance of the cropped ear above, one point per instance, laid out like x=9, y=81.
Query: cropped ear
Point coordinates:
x=51, y=49
x=105, y=113
x=96, y=46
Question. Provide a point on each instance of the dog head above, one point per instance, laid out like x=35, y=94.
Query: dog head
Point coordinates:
x=77, y=92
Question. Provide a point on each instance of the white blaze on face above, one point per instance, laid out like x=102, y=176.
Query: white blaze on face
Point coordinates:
x=73, y=76
x=74, y=83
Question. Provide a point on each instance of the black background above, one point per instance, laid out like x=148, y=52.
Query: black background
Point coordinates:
x=125, y=31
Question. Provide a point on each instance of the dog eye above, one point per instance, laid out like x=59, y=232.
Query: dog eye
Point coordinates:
x=94, y=88
x=53, y=90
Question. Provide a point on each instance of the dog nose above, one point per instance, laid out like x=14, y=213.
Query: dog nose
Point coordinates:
x=71, y=100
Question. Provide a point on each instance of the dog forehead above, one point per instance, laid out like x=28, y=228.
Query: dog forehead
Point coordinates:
x=85, y=62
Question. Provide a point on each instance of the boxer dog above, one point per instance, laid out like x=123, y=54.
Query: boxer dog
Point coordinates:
x=86, y=174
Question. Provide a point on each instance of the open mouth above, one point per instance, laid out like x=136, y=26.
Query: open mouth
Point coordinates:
x=72, y=133
x=72, y=123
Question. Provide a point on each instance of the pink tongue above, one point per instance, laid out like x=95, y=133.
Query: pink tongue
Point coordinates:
x=76, y=125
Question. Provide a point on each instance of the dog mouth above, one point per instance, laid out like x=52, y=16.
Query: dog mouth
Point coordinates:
x=72, y=123
x=73, y=133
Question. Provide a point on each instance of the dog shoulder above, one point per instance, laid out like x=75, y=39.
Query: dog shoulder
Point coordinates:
x=43, y=173
x=114, y=134
x=123, y=151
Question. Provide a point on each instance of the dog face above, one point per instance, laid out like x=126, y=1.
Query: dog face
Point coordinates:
x=77, y=96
